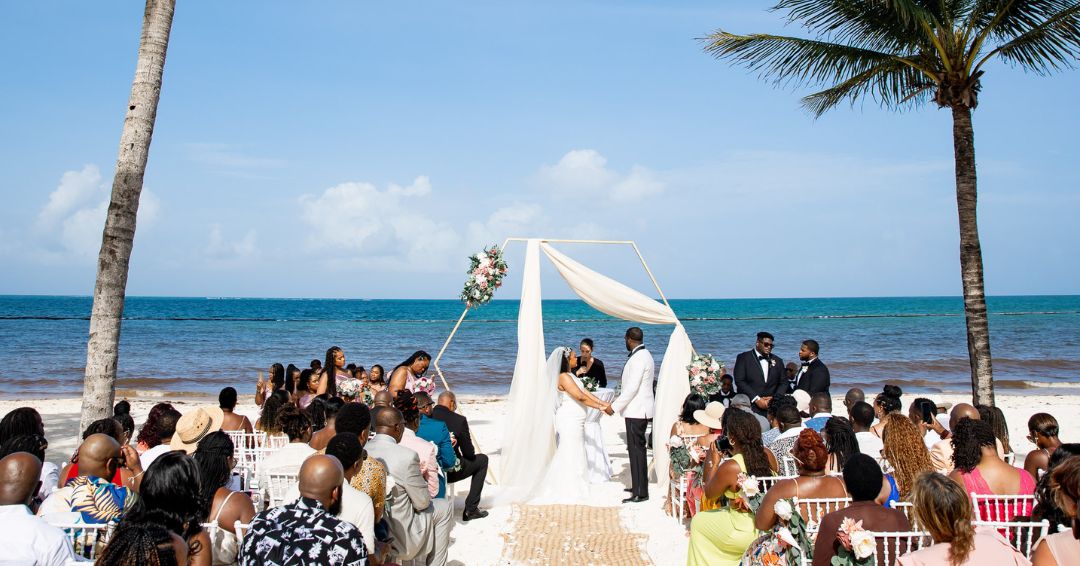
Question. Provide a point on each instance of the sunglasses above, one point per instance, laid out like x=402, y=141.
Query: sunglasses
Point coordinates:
x=767, y=344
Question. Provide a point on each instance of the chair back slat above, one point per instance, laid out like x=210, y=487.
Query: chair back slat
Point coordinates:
x=1022, y=535
x=278, y=487
x=1001, y=508
x=769, y=482
x=813, y=509
x=87, y=540
x=907, y=507
x=893, y=545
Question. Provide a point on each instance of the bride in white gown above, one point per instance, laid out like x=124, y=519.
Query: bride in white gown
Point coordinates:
x=567, y=476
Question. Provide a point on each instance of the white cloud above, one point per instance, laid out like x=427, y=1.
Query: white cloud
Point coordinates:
x=390, y=227
x=585, y=171
x=71, y=223
x=218, y=248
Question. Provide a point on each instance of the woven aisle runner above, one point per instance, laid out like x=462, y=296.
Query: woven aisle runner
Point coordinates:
x=572, y=534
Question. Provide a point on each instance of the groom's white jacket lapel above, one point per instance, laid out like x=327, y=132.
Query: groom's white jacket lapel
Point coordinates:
x=636, y=399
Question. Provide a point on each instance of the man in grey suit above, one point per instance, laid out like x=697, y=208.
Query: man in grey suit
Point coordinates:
x=419, y=523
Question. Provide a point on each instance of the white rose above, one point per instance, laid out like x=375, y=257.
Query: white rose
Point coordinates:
x=675, y=442
x=863, y=544
x=751, y=487
x=481, y=256
x=783, y=510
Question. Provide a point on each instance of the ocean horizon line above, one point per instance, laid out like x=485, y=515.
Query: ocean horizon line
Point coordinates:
x=503, y=300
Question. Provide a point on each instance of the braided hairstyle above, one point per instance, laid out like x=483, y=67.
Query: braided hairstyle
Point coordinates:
x=316, y=412
x=107, y=426
x=406, y=403
x=743, y=430
x=330, y=370
x=169, y=496
x=149, y=434
x=212, y=458
x=33, y=443
x=905, y=450
x=968, y=439
x=842, y=442
x=996, y=418
x=139, y=544
x=268, y=421
x=21, y=421
x=293, y=422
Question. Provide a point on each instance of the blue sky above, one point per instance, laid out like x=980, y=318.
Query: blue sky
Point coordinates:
x=360, y=149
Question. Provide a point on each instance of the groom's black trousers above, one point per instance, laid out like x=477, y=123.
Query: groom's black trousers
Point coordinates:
x=635, y=446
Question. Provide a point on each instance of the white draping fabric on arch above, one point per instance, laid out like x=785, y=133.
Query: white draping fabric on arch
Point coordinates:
x=525, y=453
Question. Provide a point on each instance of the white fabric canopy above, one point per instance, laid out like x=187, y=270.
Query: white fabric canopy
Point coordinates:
x=529, y=443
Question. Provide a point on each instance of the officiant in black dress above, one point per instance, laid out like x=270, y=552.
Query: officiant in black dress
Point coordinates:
x=590, y=366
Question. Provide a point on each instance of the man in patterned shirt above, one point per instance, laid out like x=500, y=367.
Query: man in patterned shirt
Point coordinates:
x=306, y=531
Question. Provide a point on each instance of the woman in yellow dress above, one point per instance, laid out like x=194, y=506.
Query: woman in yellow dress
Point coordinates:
x=720, y=536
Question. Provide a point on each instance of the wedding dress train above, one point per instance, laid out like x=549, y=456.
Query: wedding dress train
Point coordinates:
x=567, y=476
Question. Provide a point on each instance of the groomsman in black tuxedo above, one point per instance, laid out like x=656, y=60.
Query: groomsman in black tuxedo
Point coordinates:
x=759, y=374
x=813, y=377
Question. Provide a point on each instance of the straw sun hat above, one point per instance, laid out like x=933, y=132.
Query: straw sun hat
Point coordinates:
x=194, y=425
x=710, y=415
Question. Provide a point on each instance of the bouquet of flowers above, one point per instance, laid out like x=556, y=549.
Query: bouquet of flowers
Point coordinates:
x=349, y=388
x=486, y=272
x=424, y=383
x=792, y=534
x=591, y=383
x=366, y=395
x=686, y=458
x=705, y=374
x=857, y=545
x=750, y=494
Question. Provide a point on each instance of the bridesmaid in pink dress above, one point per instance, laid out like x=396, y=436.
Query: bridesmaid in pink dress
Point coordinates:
x=982, y=472
x=943, y=509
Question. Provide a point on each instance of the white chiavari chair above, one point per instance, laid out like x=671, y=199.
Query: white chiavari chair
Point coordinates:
x=787, y=465
x=908, y=509
x=87, y=540
x=767, y=483
x=241, y=530
x=679, y=492
x=813, y=509
x=1001, y=508
x=893, y=545
x=1022, y=535
x=278, y=487
x=1010, y=458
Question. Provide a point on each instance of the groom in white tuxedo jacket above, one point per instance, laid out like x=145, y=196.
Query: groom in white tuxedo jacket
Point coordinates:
x=635, y=404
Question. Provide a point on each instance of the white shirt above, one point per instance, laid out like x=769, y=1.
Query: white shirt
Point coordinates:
x=29, y=540
x=152, y=454
x=764, y=363
x=869, y=444
x=50, y=479
x=356, y=508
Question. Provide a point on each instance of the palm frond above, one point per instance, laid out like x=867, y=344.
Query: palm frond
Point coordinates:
x=1052, y=44
x=783, y=59
x=872, y=25
x=891, y=83
x=1006, y=19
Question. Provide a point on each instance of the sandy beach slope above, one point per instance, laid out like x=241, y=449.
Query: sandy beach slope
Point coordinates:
x=481, y=542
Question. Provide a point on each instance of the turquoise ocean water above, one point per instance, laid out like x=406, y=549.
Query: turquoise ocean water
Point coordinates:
x=199, y=345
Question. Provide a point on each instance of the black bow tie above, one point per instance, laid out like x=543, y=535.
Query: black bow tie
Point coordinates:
x=763, y=358
x=805, y=364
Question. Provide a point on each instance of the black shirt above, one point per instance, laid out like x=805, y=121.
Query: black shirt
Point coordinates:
x=596, y=371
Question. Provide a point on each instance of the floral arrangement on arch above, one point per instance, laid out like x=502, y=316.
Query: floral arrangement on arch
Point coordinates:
x=705, y=373
x=486, y=272
x=857, y=545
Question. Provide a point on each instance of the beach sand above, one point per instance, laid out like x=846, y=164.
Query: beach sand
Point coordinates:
x=480, y=542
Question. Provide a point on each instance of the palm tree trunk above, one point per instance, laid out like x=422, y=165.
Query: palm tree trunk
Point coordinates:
x=971, y=267
x=102, y=349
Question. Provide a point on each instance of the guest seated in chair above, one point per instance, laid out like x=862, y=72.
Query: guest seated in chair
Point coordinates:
x=473, y=464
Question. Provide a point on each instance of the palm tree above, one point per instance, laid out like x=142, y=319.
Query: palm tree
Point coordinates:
x=102, y=349
x=907, y=52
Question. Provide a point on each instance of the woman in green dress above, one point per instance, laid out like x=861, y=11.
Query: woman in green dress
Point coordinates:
x=721, y=536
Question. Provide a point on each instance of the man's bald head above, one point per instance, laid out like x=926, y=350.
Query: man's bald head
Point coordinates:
x=383, y=399
x=854, y=395
x=962, y=411
x=448, y=399
x=390, y=422
x=96, y=455
x=320, y=479
x=19, y=478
